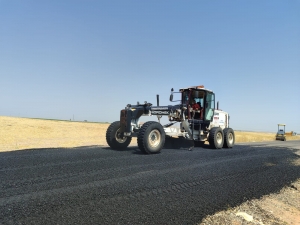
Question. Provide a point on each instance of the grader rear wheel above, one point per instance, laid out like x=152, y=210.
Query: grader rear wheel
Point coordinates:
x=229, y=138
x=216, y=138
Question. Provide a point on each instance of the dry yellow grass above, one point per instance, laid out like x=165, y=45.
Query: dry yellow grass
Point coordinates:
x=241, y=136
x=24, y=133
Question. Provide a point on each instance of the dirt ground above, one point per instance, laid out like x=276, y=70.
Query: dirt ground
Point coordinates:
x=274, y=209
x=24, y=133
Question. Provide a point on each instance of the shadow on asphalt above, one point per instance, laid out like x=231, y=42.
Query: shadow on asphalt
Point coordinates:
x=132, y=149
x=170, y=143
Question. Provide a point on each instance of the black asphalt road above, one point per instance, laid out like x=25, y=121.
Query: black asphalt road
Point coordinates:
x=97, y=185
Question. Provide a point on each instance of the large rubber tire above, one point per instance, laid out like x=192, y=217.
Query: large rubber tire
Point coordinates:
x=113, y=138
x=198, y=143
x=151, y=137
x=229, y=138
x=216, y=138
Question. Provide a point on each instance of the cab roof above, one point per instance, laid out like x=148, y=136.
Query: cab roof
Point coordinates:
x=199, y=87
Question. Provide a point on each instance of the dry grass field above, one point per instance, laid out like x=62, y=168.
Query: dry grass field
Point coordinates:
x=24, y=133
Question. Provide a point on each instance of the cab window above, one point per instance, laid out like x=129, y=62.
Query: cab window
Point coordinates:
x=209, y=106
x=185, y=97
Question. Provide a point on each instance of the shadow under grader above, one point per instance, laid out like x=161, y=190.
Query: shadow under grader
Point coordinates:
x=170, y=143
x=133, y=149
x=177, y=143
x=182, y=143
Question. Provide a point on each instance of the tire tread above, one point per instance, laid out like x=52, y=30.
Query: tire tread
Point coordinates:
x=140, y=138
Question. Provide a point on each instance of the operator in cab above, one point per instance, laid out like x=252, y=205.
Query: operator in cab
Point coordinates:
x=195, y=105
x=197, y=109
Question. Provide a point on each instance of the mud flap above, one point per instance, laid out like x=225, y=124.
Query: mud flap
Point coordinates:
x=178, y=143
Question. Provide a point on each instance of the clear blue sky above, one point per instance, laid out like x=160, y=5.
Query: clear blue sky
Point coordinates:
x=90, y=58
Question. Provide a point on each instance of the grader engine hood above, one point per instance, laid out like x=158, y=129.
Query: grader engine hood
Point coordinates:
x=220, y=119
x=136, y=111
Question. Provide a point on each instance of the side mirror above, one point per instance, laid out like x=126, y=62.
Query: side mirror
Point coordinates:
x=171, y=97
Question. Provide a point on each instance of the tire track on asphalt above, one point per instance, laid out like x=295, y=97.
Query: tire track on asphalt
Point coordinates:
x=140, y=175
x=100, y=155
x=14, y=168
x=7, y=185
x=99, y=159
x=4, y=184
x=178, y=187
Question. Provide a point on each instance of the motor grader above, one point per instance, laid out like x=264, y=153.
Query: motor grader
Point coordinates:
x=280, y=135
x=205, y=123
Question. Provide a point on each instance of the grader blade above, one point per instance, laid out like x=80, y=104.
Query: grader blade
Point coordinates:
x=178, y=143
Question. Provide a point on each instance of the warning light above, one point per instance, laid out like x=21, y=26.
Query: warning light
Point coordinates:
x=201, y=86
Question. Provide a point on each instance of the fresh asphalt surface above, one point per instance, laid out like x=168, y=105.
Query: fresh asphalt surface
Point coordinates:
x=97, y=185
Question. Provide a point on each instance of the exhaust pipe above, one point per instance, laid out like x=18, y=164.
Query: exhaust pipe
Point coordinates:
x=157, y=100
x=217, y=105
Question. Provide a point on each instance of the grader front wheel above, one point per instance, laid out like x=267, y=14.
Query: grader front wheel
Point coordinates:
x=151, y=137
x=114, y=138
